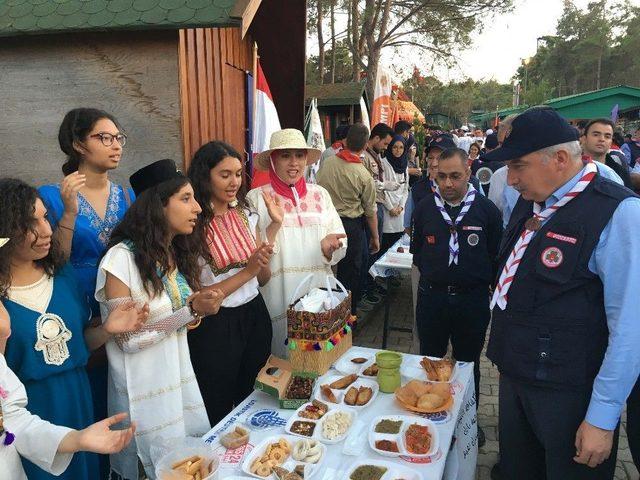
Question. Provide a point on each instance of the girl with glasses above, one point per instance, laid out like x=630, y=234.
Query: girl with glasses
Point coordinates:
x=85, y=208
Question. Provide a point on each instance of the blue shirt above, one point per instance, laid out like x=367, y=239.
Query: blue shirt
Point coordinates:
x=510, y=195
x=616, y=260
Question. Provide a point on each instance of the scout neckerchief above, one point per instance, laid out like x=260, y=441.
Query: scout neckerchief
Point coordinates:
x=530, y=227
x=454, y=248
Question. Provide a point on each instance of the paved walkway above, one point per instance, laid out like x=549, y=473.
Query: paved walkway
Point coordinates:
x=369, y=334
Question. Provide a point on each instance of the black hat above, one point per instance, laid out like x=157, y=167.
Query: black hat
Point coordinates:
x=154, y=174
x=533, y=130
x=443, y=142
x=491, y=141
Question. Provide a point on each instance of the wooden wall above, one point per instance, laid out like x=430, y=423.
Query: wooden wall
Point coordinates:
x=213, y=62
x=133, y=75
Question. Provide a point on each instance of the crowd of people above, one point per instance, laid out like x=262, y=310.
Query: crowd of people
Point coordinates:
x=158, y=303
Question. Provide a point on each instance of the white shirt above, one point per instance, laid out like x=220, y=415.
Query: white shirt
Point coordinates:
x=36, y=440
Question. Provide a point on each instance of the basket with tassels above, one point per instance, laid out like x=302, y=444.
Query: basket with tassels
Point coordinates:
x=315, y=339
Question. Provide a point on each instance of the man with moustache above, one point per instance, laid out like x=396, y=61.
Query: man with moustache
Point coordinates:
x=564, y=333
x=456, y=235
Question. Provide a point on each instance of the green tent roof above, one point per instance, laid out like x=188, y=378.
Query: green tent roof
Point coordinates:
x=597, y=103
x=334, y=94
x=18, y=17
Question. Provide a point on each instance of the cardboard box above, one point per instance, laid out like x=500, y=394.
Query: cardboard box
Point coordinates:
x=274, y=378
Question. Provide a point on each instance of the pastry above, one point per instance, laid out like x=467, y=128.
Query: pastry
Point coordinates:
x=407, y=395
x=419, y=388
x=238, y=437
x=327, y=394
x=314, y=411
x=194, y=467
x=359, y=360
x=371, y=371
x=352, y=396
x=430, y=401
x=343, y=382
x=364, y=395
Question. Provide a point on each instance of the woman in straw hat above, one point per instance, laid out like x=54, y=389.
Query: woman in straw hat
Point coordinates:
x=311, y=238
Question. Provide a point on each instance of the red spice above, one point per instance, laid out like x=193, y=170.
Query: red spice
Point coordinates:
x=387, y=446
x=418, y=439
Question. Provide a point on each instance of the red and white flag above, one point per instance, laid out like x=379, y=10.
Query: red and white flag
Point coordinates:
x=265, y=123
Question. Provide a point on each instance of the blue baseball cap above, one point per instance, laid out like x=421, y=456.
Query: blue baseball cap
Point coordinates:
x=534, y=129
x=443, y=142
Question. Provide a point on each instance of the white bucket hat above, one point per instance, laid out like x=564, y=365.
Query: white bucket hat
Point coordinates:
x=287, y=139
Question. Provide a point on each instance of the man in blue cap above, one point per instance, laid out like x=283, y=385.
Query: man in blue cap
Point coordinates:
x=564, y=331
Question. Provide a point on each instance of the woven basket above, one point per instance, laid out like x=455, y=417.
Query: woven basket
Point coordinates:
x=319, y=361
x=318, y=329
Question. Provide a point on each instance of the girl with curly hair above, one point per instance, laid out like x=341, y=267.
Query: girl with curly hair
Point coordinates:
x=149, y=261
x=50, y=333
x=237, y=263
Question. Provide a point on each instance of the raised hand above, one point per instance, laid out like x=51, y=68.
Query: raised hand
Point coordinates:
x=260, y=258
x=126, y=317
x=331, y=243
x=99, y=438
x=207, y=302
x=69, y=188
x=274, y=207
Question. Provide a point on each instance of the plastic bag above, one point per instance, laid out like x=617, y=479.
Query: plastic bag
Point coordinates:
x=165, y=453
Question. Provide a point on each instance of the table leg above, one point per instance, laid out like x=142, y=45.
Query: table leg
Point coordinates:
x=385, y=328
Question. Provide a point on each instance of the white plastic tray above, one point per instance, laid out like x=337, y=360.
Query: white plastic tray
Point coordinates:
x=289, y=464
x=340, y=394
x=400, y=437
x=411, y=369
x=393, y=470
x=319, y=424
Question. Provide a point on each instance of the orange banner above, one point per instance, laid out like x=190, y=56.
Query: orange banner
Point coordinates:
x=381, y=108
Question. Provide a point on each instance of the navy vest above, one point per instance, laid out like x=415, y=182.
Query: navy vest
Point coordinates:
x=430, y=244
x=635, y=151
x=554, y=329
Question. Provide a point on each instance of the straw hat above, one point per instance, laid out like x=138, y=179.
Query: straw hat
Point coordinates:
x=289, y=138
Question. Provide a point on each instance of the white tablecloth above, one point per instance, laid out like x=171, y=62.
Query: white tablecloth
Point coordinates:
x=455, y=460
x=383, y=268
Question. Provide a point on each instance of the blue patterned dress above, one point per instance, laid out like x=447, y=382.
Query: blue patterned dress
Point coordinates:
x=90, y=237
x=53, y=372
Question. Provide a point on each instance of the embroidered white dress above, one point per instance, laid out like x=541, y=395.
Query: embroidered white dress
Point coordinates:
x=156, y=385
x=297, y=251
x=393, y=199
x=35, y=439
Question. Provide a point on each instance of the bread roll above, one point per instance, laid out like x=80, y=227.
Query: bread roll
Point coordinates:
x=430, y=401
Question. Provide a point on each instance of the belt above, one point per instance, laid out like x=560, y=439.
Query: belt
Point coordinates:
x=453, y=289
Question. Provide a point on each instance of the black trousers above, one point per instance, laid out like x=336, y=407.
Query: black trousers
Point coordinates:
x=633, y=423
x=388, y=239
x=538, y=428
x=462, y=318
x=227, y=352
x=350, y=267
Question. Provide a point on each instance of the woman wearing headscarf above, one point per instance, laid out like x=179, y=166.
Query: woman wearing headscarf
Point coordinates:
x=395, y=168
x=311, y=238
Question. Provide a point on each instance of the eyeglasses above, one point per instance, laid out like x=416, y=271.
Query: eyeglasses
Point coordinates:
x=107, y=138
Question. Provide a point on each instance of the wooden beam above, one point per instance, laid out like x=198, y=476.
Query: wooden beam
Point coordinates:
x=246, y=9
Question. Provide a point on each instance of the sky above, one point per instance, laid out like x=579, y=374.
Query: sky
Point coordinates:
x=495, y=52
x=506, y=40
